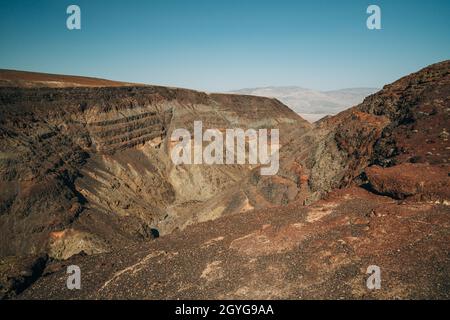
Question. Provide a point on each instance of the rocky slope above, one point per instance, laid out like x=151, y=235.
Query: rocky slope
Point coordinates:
x=317, y=252
x=87, y=171
x=406, y=122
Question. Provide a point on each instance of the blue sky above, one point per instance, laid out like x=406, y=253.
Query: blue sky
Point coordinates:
x=224, y=45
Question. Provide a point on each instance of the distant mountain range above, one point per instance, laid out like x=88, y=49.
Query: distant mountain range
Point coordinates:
x=311, y=104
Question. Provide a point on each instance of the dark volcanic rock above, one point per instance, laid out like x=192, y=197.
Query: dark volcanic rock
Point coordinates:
x=407, y=121
x=18, y=273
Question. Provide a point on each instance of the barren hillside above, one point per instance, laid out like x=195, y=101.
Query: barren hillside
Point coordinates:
x=24, y=79
x=87, y=180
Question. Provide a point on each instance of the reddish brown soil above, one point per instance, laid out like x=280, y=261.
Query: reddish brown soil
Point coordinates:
x=317, y=252
x=14, y=78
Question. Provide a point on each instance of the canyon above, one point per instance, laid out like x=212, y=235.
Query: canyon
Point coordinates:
x=87, y=179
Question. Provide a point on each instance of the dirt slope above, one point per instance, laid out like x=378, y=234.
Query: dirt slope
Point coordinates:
x=89, y=169
x=292, y=252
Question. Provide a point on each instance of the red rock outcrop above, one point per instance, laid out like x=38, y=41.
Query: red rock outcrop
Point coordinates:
x=420, y=181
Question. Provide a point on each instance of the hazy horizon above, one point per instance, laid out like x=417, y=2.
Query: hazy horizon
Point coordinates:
x=225, y=46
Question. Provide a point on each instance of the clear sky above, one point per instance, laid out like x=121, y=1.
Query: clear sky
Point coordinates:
x=220, y=45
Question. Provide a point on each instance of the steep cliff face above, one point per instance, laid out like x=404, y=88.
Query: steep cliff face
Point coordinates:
x=418, y=109
x=89, y=169
x=407, y=121
x=321, y=251
x=95, y=161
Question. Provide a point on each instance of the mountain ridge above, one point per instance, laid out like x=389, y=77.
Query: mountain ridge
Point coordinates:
x=312, y=104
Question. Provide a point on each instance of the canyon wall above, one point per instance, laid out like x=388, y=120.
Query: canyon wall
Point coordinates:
x=89, y=169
